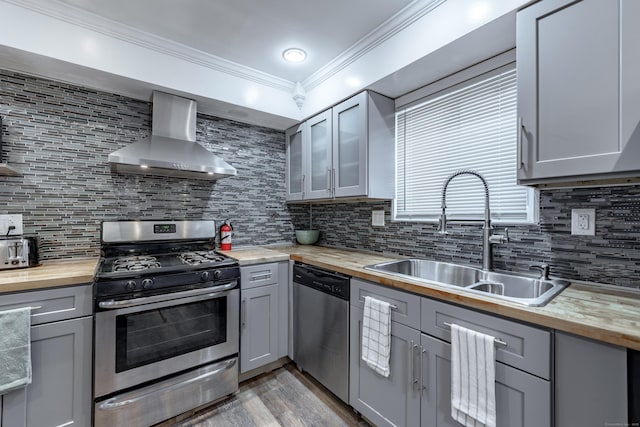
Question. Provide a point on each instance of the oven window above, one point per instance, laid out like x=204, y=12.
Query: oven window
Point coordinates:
x=150, y=336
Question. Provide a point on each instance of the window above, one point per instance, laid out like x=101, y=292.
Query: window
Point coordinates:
x=469, y=126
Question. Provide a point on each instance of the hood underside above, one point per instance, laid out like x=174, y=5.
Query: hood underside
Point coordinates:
x=172, y=149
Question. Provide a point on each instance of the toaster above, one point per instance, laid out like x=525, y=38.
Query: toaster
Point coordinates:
x=18, y=252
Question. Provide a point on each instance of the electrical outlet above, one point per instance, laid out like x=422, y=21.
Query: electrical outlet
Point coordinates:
x=8, y=221
x=377, y=218
x=583, y=222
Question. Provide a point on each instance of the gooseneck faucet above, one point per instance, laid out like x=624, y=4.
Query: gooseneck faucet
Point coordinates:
x=487, y=238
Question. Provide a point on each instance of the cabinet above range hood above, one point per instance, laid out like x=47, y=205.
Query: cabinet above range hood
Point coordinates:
x=172, y=149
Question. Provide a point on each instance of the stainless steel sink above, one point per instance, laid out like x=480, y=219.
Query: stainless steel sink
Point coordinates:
x=433, y=271
x=519, y=289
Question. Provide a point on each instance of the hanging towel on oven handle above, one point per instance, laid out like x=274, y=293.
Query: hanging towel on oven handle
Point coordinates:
x=15, y=349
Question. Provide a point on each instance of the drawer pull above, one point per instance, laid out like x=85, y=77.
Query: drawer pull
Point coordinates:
x=265, y=276
x=497, y=340
x=393, y=306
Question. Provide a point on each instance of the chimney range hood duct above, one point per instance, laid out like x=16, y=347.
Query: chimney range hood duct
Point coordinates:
x=172, y=149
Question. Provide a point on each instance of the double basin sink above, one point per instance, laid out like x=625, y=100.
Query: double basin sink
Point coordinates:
x=519, y=289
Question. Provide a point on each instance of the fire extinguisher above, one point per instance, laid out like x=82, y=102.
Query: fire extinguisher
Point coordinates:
x=225, y=236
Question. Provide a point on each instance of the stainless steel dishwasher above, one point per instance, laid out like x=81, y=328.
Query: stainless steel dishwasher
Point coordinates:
x=321, y=326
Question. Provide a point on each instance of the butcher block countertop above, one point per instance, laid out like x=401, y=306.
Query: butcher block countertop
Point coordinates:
x=598, y=312
x=603, y=313
x=48, y=275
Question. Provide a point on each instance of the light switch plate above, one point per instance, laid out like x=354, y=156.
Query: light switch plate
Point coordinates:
x=377, y=218
x=583, y=222
x=7, y=221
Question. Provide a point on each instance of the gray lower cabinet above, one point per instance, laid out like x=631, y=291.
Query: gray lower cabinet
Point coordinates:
x=259, y=327
x=61, y=360
x=522, y=399
x=418, y=390
x=264, y=327
x=590, y=382
x=391, y=401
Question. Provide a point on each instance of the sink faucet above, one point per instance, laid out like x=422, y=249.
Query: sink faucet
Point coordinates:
x=487, y=238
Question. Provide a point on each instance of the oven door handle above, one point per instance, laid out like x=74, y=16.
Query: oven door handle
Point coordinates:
x=113, y=304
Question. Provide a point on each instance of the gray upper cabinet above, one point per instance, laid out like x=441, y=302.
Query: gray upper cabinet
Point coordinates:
x=578, y=92
x=61, y=355
x=320, y=157
x=346, y=151
x=296, y=157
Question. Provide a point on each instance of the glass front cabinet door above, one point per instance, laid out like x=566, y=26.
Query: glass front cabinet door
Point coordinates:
x=296, y=150
x=350, y=147
x=321, y=172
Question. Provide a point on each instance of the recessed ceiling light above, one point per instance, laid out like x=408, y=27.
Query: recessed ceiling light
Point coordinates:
x=294, y=55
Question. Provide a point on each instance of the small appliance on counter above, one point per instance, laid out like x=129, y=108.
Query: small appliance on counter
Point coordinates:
x=18, y=252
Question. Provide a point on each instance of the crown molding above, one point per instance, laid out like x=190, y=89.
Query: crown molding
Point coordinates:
x=392, y=26
x=76, y=16
x=79, y=17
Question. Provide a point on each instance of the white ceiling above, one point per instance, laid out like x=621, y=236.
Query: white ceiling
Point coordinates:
x=254, y=33
x=227, y=54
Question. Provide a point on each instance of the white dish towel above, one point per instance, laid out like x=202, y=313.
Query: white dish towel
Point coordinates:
x=473, y=393
x=376, y=335
x=15, y=349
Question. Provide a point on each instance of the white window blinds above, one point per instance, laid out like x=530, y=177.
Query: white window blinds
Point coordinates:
x=469, y=127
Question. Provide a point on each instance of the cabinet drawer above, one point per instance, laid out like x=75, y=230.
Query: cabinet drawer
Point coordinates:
x=407, y=305
x=53, y=304
x=258, y=275
x=527, y=348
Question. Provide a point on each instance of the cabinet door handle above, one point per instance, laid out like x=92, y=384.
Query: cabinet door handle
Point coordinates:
x=520, y=142
x=421, y=385
x=244, y=312
x=412, y=365
x=333, y=184
x=303, y=187
x=411, y=345
x=329, y=180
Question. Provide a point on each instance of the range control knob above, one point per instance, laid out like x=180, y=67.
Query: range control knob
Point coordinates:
x=131, y=285
x=147, y=283
x=217, y=274
x=205, y=276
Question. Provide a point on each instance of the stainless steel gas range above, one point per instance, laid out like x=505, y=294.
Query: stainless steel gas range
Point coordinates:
x=166, y=321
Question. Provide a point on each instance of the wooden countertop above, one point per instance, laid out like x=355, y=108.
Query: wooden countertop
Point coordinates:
x=601, y=313
x=48, y=275
x=256, y=255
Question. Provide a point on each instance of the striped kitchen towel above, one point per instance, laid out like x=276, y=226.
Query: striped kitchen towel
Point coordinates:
x=473, y=389
x=376, y=335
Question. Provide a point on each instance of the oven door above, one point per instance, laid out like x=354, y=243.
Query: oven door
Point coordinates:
x=145, y=339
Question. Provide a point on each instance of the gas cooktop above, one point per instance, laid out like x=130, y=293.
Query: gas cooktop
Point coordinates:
x=143, y=257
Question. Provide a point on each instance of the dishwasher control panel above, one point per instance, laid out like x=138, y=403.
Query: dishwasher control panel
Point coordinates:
x=329, y=282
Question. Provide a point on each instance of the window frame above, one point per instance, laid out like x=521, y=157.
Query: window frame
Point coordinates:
x=464, y=78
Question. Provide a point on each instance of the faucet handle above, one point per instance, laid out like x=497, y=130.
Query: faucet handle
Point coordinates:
x=500, y=238
x=544, y=270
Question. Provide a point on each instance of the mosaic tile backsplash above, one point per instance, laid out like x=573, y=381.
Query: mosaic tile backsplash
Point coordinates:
x=612, y=256
x=59, y=137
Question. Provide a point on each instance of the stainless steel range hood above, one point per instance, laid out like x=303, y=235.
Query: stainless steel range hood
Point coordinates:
x=172, y=149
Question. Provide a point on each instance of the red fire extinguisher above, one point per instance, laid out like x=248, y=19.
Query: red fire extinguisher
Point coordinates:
x=225, y=236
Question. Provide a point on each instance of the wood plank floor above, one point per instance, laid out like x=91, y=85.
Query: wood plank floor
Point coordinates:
x=284, y=397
